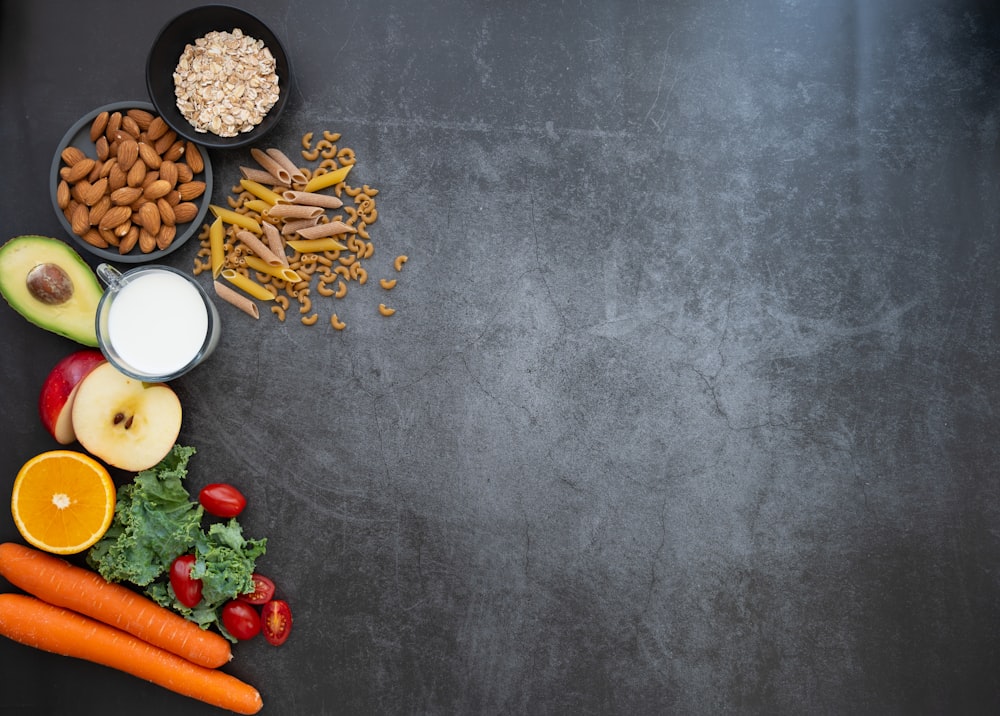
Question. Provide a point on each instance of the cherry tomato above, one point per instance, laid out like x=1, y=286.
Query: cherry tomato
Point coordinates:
x=222, y=500
x=187, y=589
x=241, y=620
x=276, y=621
x=263, y=590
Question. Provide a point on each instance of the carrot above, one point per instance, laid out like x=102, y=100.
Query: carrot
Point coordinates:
x=60, y=583
x=32, y=622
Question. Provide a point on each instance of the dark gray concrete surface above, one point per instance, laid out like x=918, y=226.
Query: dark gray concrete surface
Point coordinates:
x=690, y=402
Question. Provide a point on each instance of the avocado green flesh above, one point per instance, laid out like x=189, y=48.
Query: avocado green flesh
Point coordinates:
x=74, y=318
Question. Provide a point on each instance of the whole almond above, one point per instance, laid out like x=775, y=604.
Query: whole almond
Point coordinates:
x=106, y=167
x=78, y=190
x=167, y=216
x=129, y=241
x=114, y=124
x=184, y=172
x=80, y=170
x=115, y=216
x=165, y=236
x=94, y=238
x=194, y=158
x=96, y=191
x=141, y=117
x=98, y=210
x=117, y=177
x=185, y=212
x=123, y=228
x=164, y=143
x=128, y=152
x=62, y=194
x=125, y=196
x=147, y=241
x=98, y=125
x=71, y=155
x=157, y=128
x=149, y=155
x=102, y=147
x=173, y=198
x=80, y=220
x=95, y=171
x=158, y=188
x=109, y=236
x=148, y=217
x=151, y=176
x=168, y=172
x=131, y=126
x=191, y=190
x=175, y=151
x=137, y=174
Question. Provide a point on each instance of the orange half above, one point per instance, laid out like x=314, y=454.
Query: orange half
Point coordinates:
x=63, y=501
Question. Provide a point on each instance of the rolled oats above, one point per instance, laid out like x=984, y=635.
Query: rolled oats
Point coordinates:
x=225, y=83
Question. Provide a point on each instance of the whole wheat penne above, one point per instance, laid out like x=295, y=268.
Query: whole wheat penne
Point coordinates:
x=246, y=284
x=332, y=228
x=272, y=167
x=313, y=246
x=332, y=178
x=293, y=227
x=237, y=299
x=260, y=176
x=282, y=272
x=273, y=239
x=258, y=247
x=288, y=165
x=231, y=217
x=327, y=201
x=295, y=211
x=216, y=245
x=260, y=191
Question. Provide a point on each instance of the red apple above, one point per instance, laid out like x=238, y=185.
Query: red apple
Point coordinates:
x=55, y=404
x=125, y=422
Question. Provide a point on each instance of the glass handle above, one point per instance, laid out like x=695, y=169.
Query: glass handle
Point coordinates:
x=109, y=275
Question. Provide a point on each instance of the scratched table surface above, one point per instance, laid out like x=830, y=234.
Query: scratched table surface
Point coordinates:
x=689, y=404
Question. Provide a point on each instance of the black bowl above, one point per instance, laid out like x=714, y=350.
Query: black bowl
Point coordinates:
x=184, y=30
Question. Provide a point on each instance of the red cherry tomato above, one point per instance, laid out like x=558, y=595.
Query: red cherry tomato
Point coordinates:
x=276, y=621
x=241, y=620
x=187, y=589
x=263, y=590
x=222, y=500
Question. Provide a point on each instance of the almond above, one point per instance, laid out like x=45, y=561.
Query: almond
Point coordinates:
x=109, y=236
x=151, y=176
x=160, y=187
x=96, y=191
x=98, y=210
x=149, y=155
x=156, y=129
x=148, y=217
x=115, y=216
x=102, y=147
x=175, y=151
x=128, y=152
x=125, y=196
x=137, y=174
x=95, y=172
x=79, y=170
x=62, y=194
x=165, y=236
x=141, y=117
x=129, y=241
x=167, y=216
x=98, y=125
x=194, y=158
x=162, y=144
x=191, y=190
x=106, y=167
x=184, y=172
x=117, y=177
x=71, y=155
x=114, y=124
x=123, y=228
x=147, y=242
x=131, y=126
x=185, y=212
x=80, y=221
x=94, y=238
x=79, y=189
x=168, y=172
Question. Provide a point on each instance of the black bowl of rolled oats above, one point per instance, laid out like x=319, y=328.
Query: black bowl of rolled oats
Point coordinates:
x=218, y=76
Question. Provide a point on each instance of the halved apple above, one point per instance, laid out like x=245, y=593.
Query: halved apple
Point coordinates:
x=55, y=403
x=125, y=422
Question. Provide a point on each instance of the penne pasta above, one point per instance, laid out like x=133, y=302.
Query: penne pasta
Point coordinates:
x=247, y=285
x=258, y=205
x=332, y=228
x=294, y=173
x=292, y=227
x=216, y=245
x=240, y=301
x=260, y=176
x=259, y=248
x=260, y=191
x=329, y=179
x=282, y=272
x=232, y=217
x=327, y=201
x=272, y=167
x=313, y=246
x=273, y=238
x=295, y=211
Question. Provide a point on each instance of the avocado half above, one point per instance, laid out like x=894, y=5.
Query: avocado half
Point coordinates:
x=49, y=284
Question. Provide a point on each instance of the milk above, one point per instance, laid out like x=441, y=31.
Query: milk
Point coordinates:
x=158, y=322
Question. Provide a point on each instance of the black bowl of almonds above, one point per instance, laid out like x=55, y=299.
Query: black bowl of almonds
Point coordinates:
x=126, y=187
x=218, y=76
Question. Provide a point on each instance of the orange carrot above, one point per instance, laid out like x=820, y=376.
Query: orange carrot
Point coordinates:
x=34, y=623
x=58, y=582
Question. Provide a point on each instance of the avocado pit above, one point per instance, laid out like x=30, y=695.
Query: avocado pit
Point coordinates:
x=50, y=284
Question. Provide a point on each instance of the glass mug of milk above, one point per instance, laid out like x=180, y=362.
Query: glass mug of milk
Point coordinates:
x=154, y=323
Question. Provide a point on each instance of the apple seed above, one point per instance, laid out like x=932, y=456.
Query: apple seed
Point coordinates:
x=50, y=284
